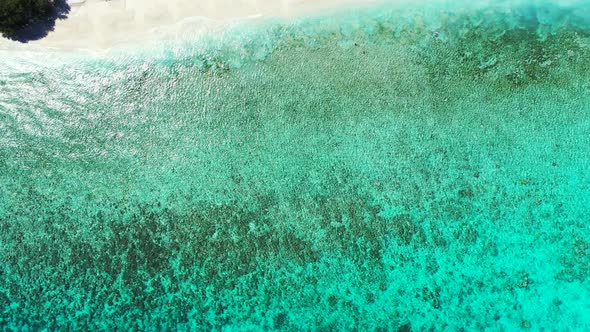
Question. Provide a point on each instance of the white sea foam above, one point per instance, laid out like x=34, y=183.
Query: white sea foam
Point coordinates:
x=99, y=24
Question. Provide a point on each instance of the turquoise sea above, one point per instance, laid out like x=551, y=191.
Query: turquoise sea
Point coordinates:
x=420, y=167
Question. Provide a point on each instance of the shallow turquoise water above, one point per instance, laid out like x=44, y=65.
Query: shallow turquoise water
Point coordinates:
x=387, y=168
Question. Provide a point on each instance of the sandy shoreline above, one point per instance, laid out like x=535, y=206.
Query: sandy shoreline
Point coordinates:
x=102, y=24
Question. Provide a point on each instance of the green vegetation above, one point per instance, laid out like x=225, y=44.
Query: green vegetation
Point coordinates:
x=16, y=14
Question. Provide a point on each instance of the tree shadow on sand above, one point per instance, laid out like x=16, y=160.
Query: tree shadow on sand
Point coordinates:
x=40, y=28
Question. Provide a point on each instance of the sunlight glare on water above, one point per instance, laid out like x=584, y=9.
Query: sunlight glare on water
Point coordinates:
x=393, y=167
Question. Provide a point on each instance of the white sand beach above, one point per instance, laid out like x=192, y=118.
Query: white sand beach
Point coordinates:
x=101, y=24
